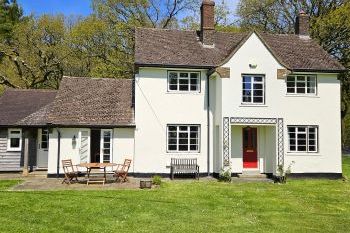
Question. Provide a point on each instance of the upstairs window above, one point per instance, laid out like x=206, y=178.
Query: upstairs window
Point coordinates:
x=14, y=140
x=253, y=89
x=303, y=138
x=301, y=84
x=181, y=81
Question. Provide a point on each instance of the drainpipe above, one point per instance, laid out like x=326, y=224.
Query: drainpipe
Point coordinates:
x=58, y=151
x=208, y=126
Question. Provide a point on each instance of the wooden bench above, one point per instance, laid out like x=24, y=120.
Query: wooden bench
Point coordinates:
x=184, y=166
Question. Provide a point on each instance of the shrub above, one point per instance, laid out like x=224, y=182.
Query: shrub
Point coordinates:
x=225, y=175
x=282, y=173
x=156, y=180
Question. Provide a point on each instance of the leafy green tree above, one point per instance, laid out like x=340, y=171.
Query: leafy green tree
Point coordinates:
x=10, y=15
x=35, y=58
x=279, y=16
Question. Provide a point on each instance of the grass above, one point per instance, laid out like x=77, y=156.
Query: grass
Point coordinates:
x=190, y=206
x=6, y=184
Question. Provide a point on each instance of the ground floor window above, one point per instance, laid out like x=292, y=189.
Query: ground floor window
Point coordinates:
x=303, y=138
x=183, y=138
x=14, y=142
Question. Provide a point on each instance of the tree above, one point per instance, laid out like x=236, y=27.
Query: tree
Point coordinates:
x=278, y=16
x=10, y=15
x=35, y=58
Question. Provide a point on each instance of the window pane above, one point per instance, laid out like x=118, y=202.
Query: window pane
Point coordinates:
x=247, y=99
x=292, y=148
x=183, y=128
x=258, y=79
x=301, y=129
x=173, y=80
x=194, y=88
x=194, y=76
x=173, y=87
x=183, y=147
x=291, y=129
x=183, y=135
x=247, y=86
x=14, y=142
x=290, y=79
x=183, y=75
x=258, y=86
x=312, y=148
x=258, y=93
x=194, y=128
x=44, y=145
x=246, y=79
x=300, y=78
x=183, y=87
x=172, y=147
x=258, y=99
x=193, y=147
x=290, y=84
x=172, y=128
x=172, y=141
x=194, y=81
x=302, y=148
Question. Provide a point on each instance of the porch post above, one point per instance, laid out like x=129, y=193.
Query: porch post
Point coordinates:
x=26, y=153
x=226, y=142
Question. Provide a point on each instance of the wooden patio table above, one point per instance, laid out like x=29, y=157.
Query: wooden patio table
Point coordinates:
x=92, y=166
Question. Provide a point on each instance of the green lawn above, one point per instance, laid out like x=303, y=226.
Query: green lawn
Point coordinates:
x=190, y=206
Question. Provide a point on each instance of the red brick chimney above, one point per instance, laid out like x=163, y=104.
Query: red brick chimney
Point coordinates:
x=207, y=22
x=302, y=24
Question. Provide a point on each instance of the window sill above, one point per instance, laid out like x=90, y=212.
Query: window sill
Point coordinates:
x=184, y=93
x=303, y=153
x=300, y=95
x=253, y=105
x=183, y=153
x=13, y=150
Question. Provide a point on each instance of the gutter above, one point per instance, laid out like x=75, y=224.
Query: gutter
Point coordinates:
x=208, y=126
x=58, y=151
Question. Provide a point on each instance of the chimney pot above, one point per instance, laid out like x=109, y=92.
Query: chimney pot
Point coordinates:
x=302, y=24
x=207, y=22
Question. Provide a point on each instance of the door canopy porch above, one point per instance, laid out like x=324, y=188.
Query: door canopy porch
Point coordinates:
x=228, y=121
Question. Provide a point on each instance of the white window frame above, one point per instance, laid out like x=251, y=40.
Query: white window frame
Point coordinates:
x=189, y=138
x=262, y=82
x=305, y=82
x=178, y=72
x=11, y=135
x=102, y=146
x=307, y=138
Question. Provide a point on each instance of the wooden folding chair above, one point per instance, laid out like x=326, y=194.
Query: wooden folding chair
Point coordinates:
x=122, y=170
x=70, y=173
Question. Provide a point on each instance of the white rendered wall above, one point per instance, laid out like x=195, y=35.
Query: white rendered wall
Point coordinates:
x=322, y=110
x=123, y=146
x=154, y=109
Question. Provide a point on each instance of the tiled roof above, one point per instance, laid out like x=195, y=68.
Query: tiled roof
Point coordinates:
x=17, y=104
x=182, y=48
x=93, y=102
x=159, y=47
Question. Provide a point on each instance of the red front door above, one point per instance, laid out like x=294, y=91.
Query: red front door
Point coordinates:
x=250, y=153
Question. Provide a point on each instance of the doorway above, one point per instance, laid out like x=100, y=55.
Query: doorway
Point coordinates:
x=43, y=148
x=95, y=145
x=250, y=148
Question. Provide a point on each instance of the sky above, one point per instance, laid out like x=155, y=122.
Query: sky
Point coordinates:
x=66, y=7
x=71, y=7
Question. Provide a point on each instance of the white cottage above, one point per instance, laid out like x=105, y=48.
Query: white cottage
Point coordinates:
x=249, y=102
